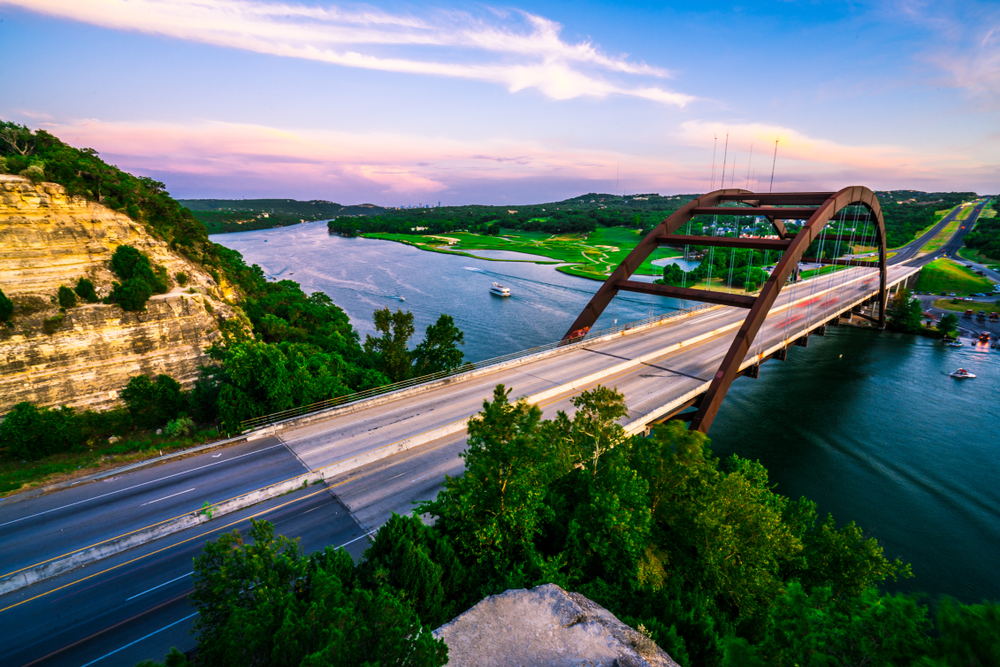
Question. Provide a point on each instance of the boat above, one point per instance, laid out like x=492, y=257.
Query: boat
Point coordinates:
x=500, y=290
x=962, y=374
x=954, y=343
x=401, y=298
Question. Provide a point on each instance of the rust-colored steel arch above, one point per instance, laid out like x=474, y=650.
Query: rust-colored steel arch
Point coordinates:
x=818, y=208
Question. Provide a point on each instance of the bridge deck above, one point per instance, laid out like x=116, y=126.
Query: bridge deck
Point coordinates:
x=657, y=369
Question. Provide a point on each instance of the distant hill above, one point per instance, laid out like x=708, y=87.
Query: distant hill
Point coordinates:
x=240, y=215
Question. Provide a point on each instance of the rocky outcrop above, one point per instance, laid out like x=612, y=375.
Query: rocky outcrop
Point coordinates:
x=546, y=626
x=48, y=239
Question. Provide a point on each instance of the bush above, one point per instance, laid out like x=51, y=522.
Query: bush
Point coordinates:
x=6, y=308
x=152, y=403
x=179, y=428
x=85, y=290
x=182, y=278
x=67, y=299
x=139, y=279
x=35, y=173
x=52, y=323
x=31, y=432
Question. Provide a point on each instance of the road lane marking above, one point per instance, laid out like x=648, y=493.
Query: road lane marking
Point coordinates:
x=420, y=478
x=172, y=495
x=136, y=486
x=169, y=546
x=371, y=532
x=122, y=648
x=165, y=583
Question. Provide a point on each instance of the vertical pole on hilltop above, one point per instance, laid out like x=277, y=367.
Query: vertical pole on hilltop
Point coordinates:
x=773, y=162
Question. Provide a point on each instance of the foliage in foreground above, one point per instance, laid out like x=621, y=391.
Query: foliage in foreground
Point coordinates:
x=716, y=566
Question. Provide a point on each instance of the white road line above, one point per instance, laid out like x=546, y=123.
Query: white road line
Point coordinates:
x=136, y=486
x=165, y=627
x=351, y=542
x=165, y=583
x=420, y=478
x=179, y=493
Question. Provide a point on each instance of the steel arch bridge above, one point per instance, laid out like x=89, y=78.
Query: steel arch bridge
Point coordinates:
x=817, y=208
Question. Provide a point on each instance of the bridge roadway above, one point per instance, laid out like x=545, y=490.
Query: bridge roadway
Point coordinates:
x=133, y=606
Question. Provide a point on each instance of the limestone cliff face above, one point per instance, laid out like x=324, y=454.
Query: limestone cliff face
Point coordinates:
x=48, y=239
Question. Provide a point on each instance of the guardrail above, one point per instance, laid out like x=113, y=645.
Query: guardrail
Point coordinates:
x=264, y=420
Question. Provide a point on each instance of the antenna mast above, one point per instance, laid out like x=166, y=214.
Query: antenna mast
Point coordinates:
x=773, y=162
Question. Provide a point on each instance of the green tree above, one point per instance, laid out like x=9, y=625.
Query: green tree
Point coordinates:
x=904, y=312
x=493, y=512
x=266, y=603
x=139, y=279
x=948, y=324
x=672, y=275
x=389, y=352
x=31, y=432
x=67, y=299
x=152, y=403
x=85, y=290
x=438, y=351
x=968, y=635
x=6, y=308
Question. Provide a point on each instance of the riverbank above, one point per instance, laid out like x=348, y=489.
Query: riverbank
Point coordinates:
x=594, y=255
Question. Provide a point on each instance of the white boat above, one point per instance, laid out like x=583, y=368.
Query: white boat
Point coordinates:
x=962, y=374
x=500, y=290
x=954, y=343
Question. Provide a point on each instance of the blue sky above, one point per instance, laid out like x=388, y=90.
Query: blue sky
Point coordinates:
x=398, y=103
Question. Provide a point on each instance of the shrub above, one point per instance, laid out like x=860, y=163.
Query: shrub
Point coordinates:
x=152, y=403
x=85, y=290
x=6, y=308
x=31, y=432
x=35, y=173
x=67, y=299
x=139, y=279
x=52, y=323
x=180, y=427
x=182, y=278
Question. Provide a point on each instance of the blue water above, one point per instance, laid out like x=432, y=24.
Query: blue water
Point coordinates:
x=866, y=424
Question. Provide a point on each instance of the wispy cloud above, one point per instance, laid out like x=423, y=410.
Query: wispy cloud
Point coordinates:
x=515, y=49
x=965, y=44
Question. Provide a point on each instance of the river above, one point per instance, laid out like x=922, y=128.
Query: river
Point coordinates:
x=866, y=424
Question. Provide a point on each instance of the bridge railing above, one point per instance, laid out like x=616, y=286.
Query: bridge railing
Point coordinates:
x=264, y=420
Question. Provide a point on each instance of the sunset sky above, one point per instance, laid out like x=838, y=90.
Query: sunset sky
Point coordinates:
x=408, y=103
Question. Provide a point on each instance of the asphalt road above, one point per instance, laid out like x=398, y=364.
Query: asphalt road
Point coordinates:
x=133, y=606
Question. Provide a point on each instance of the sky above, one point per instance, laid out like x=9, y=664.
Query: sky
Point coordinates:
x=402, y=104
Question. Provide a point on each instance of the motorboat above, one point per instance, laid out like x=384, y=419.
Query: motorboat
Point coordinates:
x=500, y=290
x=962, y=374
x=954, y=343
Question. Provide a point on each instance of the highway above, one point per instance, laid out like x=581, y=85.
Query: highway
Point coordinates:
x=133, y=606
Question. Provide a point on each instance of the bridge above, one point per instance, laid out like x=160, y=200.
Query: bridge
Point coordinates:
x=380, y=453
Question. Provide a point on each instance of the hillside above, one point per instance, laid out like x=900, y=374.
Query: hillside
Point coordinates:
x=240, y=215
x=82, y=356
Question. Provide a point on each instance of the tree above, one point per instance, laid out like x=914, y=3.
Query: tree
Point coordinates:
x=438, y=351
x=85, y=290
x=67, y=299
x=672, y=275
x=152, y=403
x=389, y=351
x=265, y=602
x=139, y=279
x=904, y=313
x=493, y=512
x=6, y=308
x=31, y=432
x=948, y=324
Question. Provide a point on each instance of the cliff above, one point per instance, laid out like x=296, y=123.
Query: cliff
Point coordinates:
x=48, y=239
x=546, y=626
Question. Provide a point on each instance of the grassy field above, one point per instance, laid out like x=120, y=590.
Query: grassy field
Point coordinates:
x=593, y=255
x=944, y=275
x=823, y=270
x=943, y=236
x=962, y=306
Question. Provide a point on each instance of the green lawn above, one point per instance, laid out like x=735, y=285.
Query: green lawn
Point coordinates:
x=821, y=271
x=944, y=235
x=594, y=255
x=945, y=275
x=962, y=306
